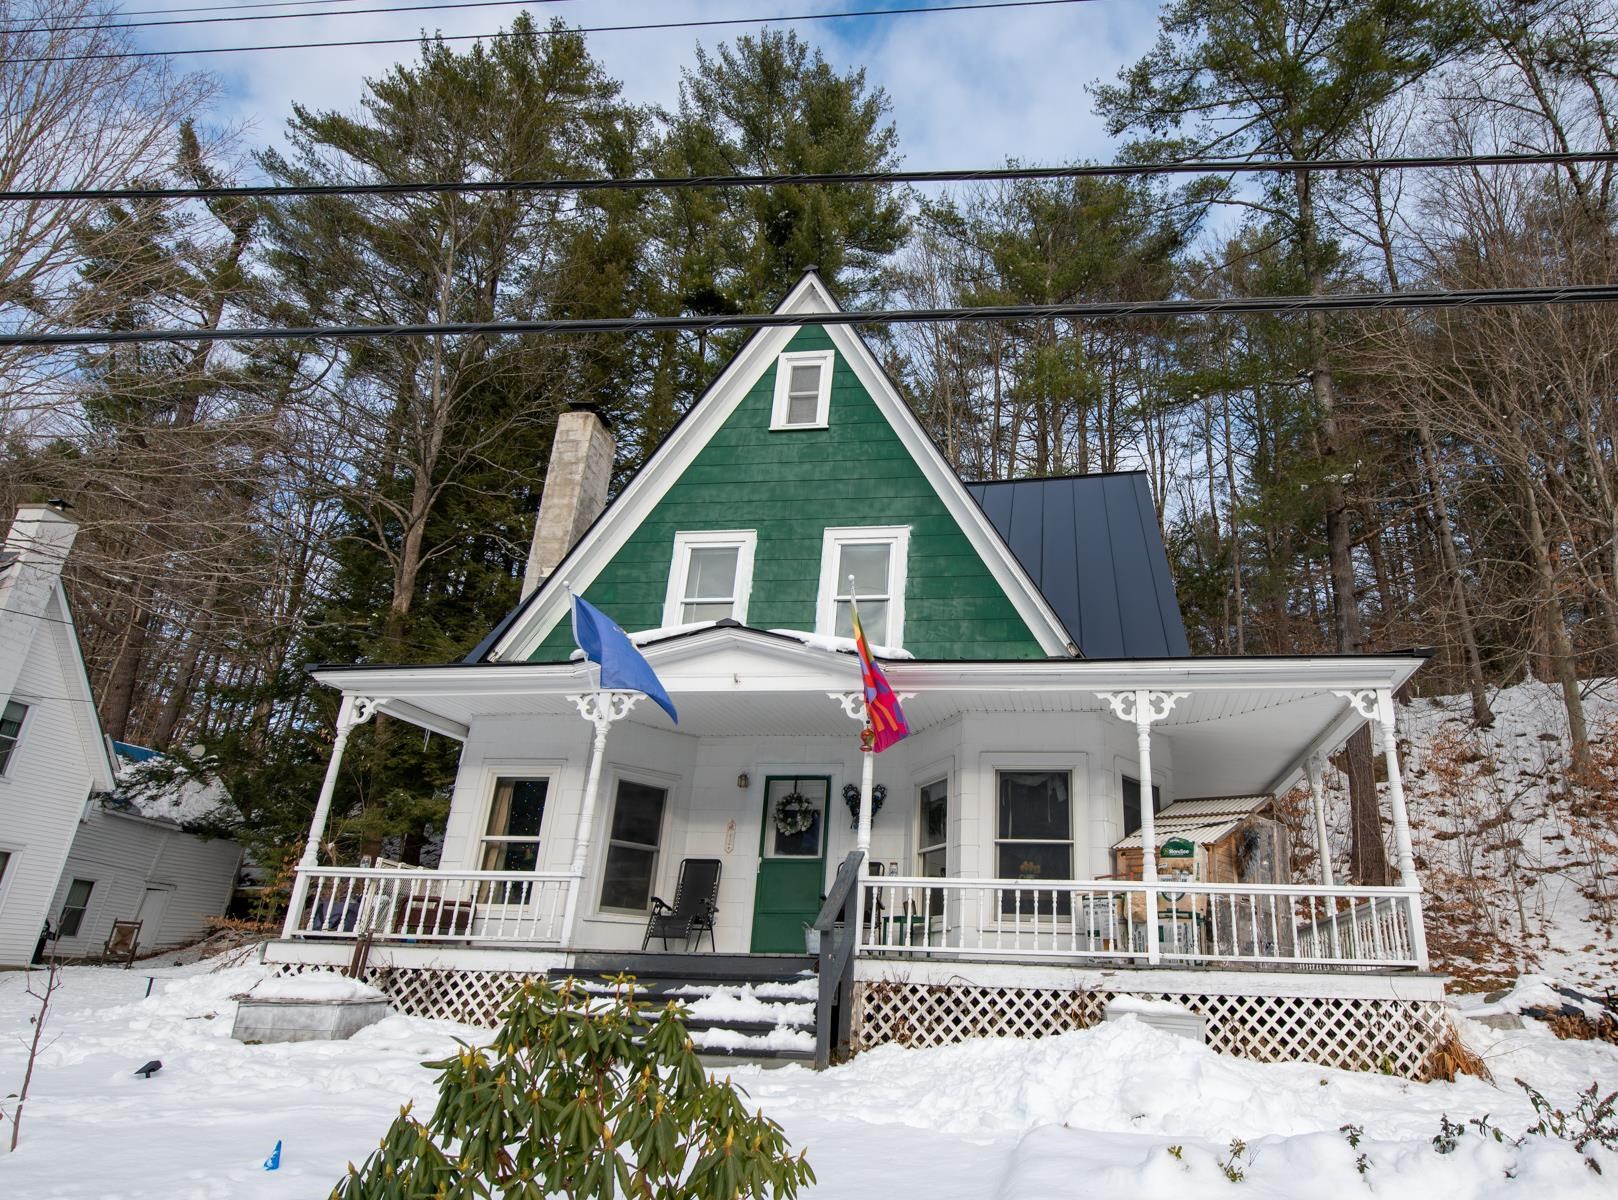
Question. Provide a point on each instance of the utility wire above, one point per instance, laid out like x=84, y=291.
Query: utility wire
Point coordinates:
x=884, y=178
x=643, y=26
x=1597, y=293
x=291, y=16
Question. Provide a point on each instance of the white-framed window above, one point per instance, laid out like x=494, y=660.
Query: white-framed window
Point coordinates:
x=1034, y=829
x=802, y=390
x=10, y=730
x=516, y=813
x=932, y=838
x=634, y=838
x=875, y=555
x=710, y=576
x=74, y=906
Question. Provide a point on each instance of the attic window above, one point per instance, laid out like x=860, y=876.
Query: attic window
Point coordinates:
x=802, y=390
x=874, y=555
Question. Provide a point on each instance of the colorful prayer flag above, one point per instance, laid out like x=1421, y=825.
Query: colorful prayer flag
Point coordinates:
x=884, y=719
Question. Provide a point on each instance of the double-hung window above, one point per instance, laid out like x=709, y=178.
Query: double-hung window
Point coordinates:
x=1034, y=833
x=10, y=730
x=865, y=564
x=710, y=576
x=511, y=839
x=802, y=390
x=74, y=908
x=932, y=840
x=633, y=840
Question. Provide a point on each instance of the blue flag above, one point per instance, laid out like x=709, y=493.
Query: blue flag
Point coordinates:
x=623, y=668
x=273, y=1162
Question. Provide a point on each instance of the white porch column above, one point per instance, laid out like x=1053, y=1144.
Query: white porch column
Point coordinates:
x=1317, y=795
x=601, y=709
x=1144, y=706
x=1377, y=706
x=352, y=712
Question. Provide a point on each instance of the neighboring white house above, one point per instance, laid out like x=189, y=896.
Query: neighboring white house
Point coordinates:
x=80, y=846
x=132, y=860
x=53, y=756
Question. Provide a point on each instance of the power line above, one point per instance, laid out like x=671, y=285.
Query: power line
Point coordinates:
x=895, y=178
x=1596, y=293
x=291, y=16
x=641, y=27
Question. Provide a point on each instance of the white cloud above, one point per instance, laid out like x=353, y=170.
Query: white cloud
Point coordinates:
x=968, y=88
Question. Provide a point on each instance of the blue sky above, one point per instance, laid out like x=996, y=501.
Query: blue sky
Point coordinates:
x=968, y=88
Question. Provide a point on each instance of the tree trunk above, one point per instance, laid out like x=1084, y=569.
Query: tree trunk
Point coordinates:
x=1560, y=647
x=1482, y=715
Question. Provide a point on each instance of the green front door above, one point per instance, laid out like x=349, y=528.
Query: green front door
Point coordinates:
x=792, y=862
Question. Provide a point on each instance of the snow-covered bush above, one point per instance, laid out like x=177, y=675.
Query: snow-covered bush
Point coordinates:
x=587, y=1097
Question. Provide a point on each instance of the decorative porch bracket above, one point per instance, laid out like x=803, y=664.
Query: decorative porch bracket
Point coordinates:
x=352, y=712
x=1376, y=706
x=1144, y=706
x=601, y=709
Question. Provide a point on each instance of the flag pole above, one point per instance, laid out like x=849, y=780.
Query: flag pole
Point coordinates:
x=862, y=837
x=599, y=713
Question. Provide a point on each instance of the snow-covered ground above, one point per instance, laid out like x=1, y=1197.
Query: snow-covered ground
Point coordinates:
x=1117, y=1111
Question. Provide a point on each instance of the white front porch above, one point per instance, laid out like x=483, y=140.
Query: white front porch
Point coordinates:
x=757, y=708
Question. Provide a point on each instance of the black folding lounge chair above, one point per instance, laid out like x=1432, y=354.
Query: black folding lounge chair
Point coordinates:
x=696, y=900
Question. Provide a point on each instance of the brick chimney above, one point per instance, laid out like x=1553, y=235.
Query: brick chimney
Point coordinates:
x=575, y=490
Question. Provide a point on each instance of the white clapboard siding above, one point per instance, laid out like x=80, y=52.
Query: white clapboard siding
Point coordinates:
x=123, y=855
x=45, y=787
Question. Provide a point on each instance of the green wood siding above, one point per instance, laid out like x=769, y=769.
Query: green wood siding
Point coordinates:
x=790, y=486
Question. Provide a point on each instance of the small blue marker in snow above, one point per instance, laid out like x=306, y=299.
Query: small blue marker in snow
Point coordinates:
x=273, y=1162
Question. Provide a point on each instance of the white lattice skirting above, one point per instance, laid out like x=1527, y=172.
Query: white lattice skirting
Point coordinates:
x=442, y=993
x=1358, y=1034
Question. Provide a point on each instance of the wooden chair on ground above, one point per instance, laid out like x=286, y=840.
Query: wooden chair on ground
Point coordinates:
x=696, y=902
x=122, y=942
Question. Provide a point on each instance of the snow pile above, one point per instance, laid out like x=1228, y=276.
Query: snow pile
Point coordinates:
x=1145, y=1006
x=841, y=645
x=315, y=985
x=744, y=1003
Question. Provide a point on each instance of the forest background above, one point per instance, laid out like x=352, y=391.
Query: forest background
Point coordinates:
x=1326, y=483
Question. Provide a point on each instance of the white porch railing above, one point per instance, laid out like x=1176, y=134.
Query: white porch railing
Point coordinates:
x=508, y=907
x=1199, y=924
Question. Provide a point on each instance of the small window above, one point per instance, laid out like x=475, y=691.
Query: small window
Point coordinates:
x=1131, y=790
x=511, y=842
x=802, y=390
x=10, y=731
x=73, y=908
x=1034, y=833
x=795, y=816
x=875, y=559
x=632, y=845
x=5, y=861
x=710, y=576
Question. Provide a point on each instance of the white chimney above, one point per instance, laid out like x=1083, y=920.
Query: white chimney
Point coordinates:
x=575, y=490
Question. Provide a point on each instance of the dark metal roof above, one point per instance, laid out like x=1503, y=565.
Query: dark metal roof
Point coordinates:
x=1092, y=545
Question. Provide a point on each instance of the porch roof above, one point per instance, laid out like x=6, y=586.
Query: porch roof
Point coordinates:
x=1247, y=724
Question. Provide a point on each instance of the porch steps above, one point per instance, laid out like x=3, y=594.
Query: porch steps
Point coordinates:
x=743, y=1008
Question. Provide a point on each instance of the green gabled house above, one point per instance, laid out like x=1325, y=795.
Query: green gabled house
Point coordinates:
x=999, y=870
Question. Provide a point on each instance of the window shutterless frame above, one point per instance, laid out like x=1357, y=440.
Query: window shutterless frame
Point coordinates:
x=699, y=595
x=74, y=906
x=635, y=830
x=12, y=720
x=510, y=840
x=803, y=390
x=881, y=594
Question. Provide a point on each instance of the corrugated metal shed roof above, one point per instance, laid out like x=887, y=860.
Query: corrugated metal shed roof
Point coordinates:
x=1203, y=835
x=1092, y=545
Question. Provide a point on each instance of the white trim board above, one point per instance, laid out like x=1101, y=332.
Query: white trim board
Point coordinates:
x=602, y=541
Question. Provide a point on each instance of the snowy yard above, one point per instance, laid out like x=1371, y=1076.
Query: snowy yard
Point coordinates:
x=1119, y=1111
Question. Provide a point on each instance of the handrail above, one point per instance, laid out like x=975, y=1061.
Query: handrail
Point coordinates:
x=836, y=959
